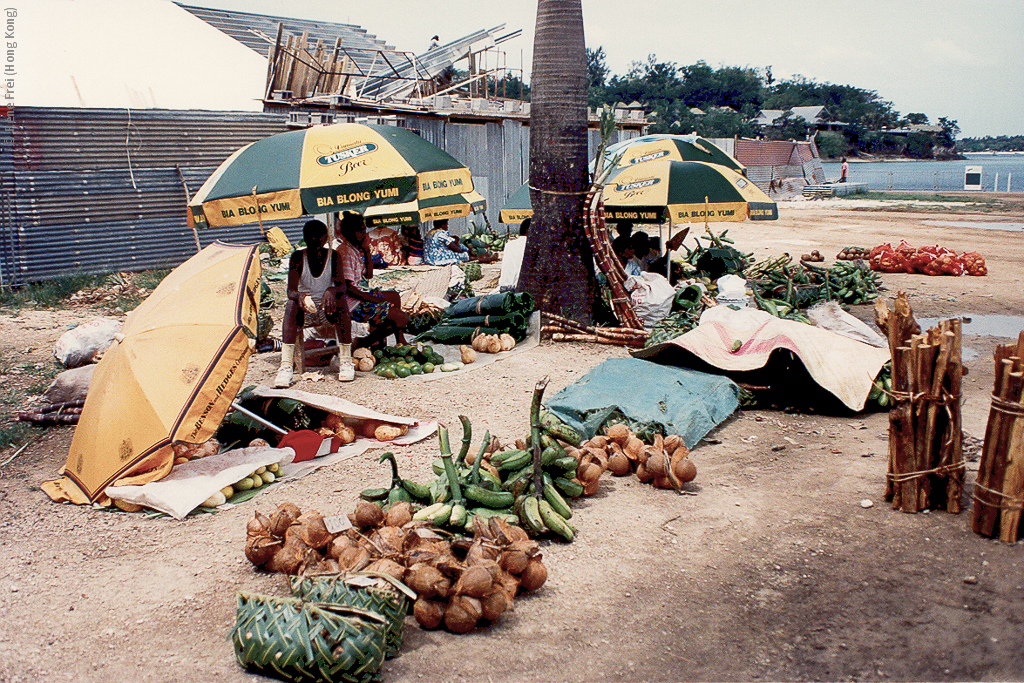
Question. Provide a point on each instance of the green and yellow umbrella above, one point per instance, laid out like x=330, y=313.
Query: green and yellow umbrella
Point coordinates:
x=341, y=167
x=674, y=147
x=518, y=207
x=663, y=191
x=684, y=192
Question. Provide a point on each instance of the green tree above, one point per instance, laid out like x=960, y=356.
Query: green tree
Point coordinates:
x=916, y=119
x=597, y=75
x=949, y=131
x=558, y=266
x=831, y=144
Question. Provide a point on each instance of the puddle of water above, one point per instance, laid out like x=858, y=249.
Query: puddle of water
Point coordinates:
x=980, y=225
x=1008, y=326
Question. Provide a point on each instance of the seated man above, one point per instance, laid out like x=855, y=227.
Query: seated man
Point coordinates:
x=380, y=310
x=623, y=248
x=315, y=297
x=441, y=248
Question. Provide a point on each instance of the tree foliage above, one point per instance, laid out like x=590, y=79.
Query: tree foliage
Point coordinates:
x=721, y=101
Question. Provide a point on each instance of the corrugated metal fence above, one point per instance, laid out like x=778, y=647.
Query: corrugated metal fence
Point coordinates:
x=102, y=190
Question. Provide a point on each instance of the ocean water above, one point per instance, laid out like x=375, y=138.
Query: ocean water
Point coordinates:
x=997, y=171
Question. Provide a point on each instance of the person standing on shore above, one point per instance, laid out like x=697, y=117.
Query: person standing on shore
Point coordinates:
x=844, y=170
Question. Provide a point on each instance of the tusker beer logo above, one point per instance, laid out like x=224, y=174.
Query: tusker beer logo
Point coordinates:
x=636, y=185
x=346, y=154
x=649, y=157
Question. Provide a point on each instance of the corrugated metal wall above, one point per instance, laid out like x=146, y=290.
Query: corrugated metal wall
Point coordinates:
x=98, y=190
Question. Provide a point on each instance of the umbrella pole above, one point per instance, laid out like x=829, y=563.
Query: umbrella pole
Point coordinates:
x=259, y=218
x=259, y=418
x=188, y=198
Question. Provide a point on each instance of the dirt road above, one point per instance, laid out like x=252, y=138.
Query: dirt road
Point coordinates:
x=771, y=570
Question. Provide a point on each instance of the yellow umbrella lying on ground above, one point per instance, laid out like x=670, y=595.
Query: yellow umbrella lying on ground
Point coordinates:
x=170, y=376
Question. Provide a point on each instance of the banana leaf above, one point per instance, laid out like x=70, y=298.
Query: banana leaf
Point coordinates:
x=457, y=334
x=511, y=321
x=492, y=304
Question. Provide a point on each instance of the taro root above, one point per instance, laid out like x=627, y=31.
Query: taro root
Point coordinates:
x=475, y=582
x=386, y=432
x=427, y=581
x=398, y=514
x=619, y=464
x=428, y=613
x=368, y=515
x=508, y=342
x=312, y=530
x=534, y=576
x=345, y=434
x=460, y=616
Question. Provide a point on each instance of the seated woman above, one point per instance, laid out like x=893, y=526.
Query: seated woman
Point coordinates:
x=380, y=310
x=412, y=244
x=441, y=248
x=315, y=297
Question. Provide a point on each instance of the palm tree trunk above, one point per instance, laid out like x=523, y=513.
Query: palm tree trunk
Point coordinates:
x=558, y=266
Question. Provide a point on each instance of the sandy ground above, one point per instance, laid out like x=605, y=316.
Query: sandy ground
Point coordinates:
x=771, y=570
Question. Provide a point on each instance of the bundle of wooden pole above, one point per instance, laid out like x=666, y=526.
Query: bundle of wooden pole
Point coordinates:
x=999, y=489
x=926, y=465
x=564, y=329
x=607, y=261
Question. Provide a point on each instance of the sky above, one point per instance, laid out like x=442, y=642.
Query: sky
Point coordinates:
x=961, y=60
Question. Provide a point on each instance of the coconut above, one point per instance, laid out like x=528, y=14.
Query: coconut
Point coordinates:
x=509, y=583
x=534, y=576
x=514, y=560
x=353, y=559
x=259, y=525
x=282, y=519
x=515, y=533
x=681, y=450
x=398, y=514
x=337, y=545
x=427, y=581
x=685, y=470
x=289, y=556
x=588, y=472
x=313, y=531
x=478, y=553
x=599, y=441
x=461, y=617
x=495, y=603
x=662, y=482
x=475, y=582
x=656, y=465
x=368, y=515
x=672, y=442
x=259, y=549
x=389, y=540
x=643, y=473
x=428, y=612
x=388, y=567
x=599, y=456
x=590, y=488
x=362, y=352
x=632, y=447
x=365, y=364
x=619, y=464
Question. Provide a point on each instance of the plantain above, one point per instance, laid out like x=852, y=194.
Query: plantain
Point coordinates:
x=427, y=513
x=518, y=461
x=555, y=500
x=441, y=515
x=554, y=521
x=530, y=515
x=490, y=499
x=459, y=515
x=374, y=495
x=571, y=488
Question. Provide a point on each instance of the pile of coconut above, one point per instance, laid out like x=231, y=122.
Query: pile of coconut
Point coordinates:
x=460, y=583
x=665, y=462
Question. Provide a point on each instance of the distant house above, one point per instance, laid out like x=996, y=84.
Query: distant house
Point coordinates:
x=815, y=116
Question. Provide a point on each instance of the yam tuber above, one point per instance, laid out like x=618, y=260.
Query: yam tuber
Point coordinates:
x=468, y=354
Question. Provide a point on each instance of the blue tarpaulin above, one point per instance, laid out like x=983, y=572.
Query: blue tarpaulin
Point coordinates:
x=686, y=402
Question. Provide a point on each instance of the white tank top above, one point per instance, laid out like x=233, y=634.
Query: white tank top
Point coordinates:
x=316, y=286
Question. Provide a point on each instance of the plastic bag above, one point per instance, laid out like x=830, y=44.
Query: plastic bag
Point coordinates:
x=651, y=296
x=85, y=343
